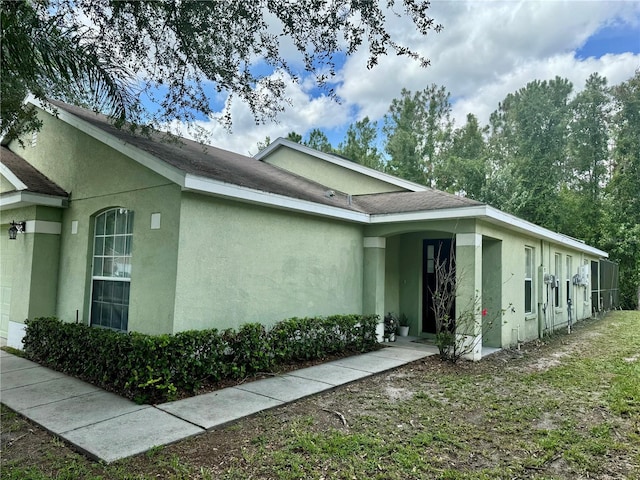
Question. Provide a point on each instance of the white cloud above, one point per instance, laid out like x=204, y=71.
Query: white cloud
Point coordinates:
x=483, y=101
x=486, y=50
x=489, y=49
x=302, y=114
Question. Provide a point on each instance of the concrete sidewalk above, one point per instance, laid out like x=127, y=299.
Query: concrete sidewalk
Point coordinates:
x=108, y=427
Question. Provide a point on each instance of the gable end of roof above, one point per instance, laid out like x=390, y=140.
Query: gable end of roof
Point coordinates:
x=339, y=161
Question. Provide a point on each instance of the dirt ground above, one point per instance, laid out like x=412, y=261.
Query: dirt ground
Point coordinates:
x=339, y=410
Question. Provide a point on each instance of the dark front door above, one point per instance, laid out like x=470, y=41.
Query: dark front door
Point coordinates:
x=438, y=266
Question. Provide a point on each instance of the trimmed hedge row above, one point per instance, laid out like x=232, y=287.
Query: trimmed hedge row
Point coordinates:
x=157, y=368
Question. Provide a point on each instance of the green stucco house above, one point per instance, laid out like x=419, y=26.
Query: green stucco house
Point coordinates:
x=138, y=233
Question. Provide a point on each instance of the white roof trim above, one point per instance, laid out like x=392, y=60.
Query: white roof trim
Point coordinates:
x=498, y=216
x=20, y=198
x=11, y=177
x=146, y=159
x=492, y=215
x=216, y=187
x=356, y=167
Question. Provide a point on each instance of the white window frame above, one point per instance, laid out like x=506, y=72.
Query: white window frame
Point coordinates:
x=119, y=243
x=529, y=267
x=569, y=269
x=557, y=299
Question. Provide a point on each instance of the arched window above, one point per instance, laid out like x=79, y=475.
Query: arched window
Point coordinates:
x=111, y=271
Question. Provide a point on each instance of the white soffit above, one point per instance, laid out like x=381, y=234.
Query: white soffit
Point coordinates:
x=18, y=199
x=515, y=223
x=492, y=215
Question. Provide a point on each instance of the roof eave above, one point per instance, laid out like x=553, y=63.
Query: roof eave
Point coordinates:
x=499, y=217
x=492, y=215
x=23, y=198
x=215, y=187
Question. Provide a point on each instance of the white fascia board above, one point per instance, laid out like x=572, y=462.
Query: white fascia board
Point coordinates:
x=215, y=187
x=143, y=158
x=443, y=214
x=18, y=199
x=513, y=222
x=11, y=177
x=492, y=215
x=356, y=167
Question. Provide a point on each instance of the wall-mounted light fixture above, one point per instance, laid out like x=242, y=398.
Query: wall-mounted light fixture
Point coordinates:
x=15, y=228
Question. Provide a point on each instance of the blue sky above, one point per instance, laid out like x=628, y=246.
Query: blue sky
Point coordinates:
x=486, y=50
x=614, y=39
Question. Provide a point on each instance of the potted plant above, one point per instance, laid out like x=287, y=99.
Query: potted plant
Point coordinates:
x=390, y=326
x=403, y=329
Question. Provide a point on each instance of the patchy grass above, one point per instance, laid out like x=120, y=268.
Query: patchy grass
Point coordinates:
x=566, y=408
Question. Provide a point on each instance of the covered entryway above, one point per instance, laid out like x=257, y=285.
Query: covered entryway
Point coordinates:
x=401, y=276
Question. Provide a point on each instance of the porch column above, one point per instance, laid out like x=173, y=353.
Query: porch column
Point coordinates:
x=469, y=291
x=373, y=280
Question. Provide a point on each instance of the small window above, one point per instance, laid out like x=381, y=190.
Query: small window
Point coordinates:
x=431, y=259
x=528, y=279
x=111, y=269
x=558, y=275
x=567, y=274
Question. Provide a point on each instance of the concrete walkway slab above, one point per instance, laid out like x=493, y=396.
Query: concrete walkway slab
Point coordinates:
x=42, y=393
x=285, y=388
x=330, y=373
x=404, y=354
x=369, y=363
x=220, y=407
x=109, y=428
x=81, y=411
x=12, y=363
x=27, y=376
x=130, y=434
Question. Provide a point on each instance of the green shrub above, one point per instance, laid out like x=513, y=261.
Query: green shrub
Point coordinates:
x=156, y=368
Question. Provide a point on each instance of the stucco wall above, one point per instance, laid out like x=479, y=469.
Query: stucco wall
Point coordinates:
x=329, y=174
x=28, y=268
x=6, y=185
x=518, y=325
x=15, y=269
x=240, y=263
x=98, y=178
x=501, y=263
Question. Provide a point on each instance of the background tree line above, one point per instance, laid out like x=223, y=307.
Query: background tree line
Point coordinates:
x=570, y=163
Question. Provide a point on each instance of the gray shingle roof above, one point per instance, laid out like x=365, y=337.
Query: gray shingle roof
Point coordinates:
x=400, y=202
x=35, y=181
x=215, y=163
x=228, y=167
